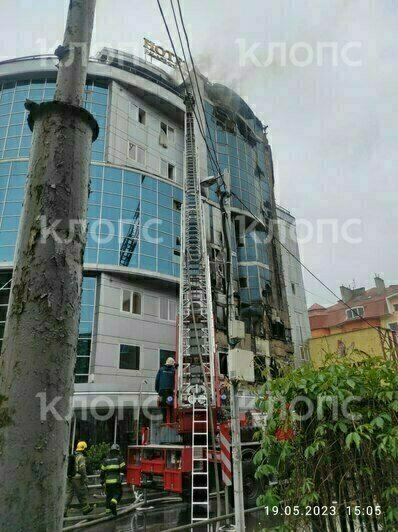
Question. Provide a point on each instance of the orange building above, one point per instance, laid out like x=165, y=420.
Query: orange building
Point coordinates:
x=333, y=328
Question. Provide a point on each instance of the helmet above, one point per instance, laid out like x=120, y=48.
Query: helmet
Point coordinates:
x=81, y=446
x=115, y=447
x=170, y=361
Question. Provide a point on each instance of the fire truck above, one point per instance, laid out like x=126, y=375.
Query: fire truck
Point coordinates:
x=186, y=453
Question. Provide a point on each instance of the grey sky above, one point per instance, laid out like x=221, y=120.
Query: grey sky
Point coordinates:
x=332, y=128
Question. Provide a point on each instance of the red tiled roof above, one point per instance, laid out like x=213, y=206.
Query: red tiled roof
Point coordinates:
x=316, y=306
x=373, y=302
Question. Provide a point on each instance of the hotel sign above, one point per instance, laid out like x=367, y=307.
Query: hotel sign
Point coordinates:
x=160, y=54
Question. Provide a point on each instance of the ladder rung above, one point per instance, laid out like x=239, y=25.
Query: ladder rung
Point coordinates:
x=204, y=503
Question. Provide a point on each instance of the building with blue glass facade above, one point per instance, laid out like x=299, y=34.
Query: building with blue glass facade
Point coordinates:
x=132, y=257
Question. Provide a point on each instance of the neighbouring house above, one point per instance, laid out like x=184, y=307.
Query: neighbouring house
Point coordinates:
x=364, y=320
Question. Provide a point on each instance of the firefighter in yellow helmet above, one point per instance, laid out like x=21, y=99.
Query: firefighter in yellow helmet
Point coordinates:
x=77, y=483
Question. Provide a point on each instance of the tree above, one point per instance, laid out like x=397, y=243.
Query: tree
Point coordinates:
x=331, y=441
x=39, y=348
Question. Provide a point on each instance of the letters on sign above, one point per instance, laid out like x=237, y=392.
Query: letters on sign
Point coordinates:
x=160, y=54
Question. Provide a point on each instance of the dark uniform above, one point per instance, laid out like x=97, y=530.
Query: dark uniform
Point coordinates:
x=77, y=484
x=111, y=470
x=164, y=385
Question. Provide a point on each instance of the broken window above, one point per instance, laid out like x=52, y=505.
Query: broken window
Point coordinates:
x=141, y=116
x=243, y=282
x=177, y=205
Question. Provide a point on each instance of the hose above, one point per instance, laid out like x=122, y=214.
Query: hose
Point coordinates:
x=89, y=521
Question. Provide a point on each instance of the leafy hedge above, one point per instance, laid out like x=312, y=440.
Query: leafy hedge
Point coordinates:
x=95, y=456
x=342, y=453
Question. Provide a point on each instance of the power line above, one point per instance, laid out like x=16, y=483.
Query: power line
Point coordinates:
x=199, y=92
x=195, y=75
x=215, y=152
x=303, y=265
x=185, y=85
x=318, y=296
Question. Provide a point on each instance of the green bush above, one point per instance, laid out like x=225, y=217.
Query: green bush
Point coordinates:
x=95, y=456
x=342, y=459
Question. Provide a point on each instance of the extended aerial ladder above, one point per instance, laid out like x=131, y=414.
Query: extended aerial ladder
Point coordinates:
x=196, y=378
x=183, y=465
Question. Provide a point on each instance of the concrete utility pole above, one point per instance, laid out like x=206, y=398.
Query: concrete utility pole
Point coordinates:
x=38, y=358
x=235, y=421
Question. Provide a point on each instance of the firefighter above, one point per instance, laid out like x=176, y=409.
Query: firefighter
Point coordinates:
x=77, y=483
x=111, y=470
x=164, y=386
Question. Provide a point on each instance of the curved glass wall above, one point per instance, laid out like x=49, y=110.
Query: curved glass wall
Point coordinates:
x=133, y=219
x=15, y=135
x=238, y=150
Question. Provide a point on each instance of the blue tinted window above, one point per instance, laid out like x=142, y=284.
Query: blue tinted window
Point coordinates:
x=18, y=107
x=96, y=170
x=8, y=238
x=164, y=200
x=12, y=208
x=95, y=197
x=19, y=168
x=10, y=222
x=110, y=213
x=93, y=211
x=149, y=182
x=111, y=200
x=7, y=253
x=15, y=194
x=114, y=174
x=90, y=255
x=147, y=263
x=12, y=143
x=165, y=267
x=21, y=96
x=131, y=178
x=165, y=214
x=7, y=97
x=130, y=190
x=148, y=208
x=17, y=181
x=108, y=257
x=100, y=98
x=114, y=187
x=17, y=118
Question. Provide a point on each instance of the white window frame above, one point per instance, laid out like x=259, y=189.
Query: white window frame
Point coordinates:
x=173, y=137
x=129, y=345
x=304, y=353
x=168, y=320
x=131, y=142
x=354, y=317
x=168, y=163
x=132, y=292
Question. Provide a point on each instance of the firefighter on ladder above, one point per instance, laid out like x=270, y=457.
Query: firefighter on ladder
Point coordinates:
x=164, y=386
x=111, y=470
